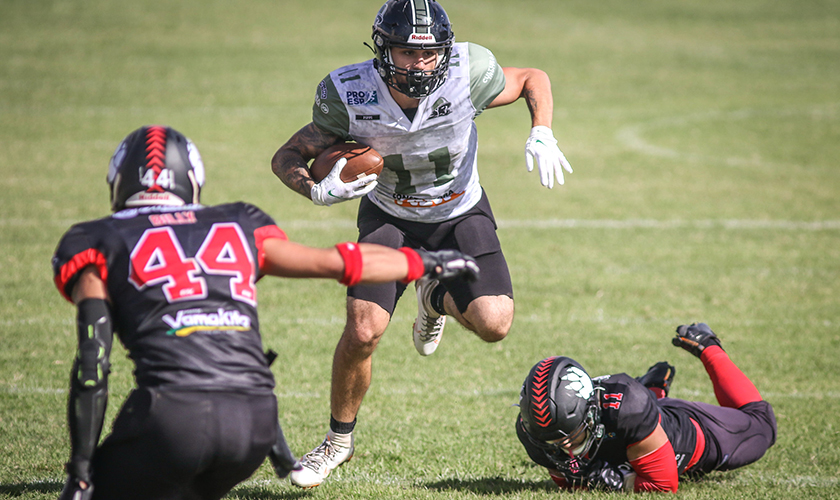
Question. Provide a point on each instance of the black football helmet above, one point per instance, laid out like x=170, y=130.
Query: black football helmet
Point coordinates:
x=414, y=24
x=155, y=165
x=557, y=401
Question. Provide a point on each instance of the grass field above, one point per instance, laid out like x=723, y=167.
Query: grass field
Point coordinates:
x=705, y=139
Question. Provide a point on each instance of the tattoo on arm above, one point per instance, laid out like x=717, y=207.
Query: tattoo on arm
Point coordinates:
x=530, y=100
x=289, y=163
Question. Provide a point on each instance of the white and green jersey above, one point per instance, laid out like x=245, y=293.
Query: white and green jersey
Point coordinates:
x=430, y=172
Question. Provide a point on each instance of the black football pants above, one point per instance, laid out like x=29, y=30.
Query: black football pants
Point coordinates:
x=170, y=444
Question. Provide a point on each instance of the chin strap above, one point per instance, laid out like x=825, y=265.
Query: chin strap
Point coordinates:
x=89, y=384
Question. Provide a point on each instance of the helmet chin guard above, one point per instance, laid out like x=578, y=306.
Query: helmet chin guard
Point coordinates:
x=155, y=165
x=412, y=24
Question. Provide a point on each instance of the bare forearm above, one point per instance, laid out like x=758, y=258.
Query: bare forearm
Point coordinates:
x=289, y=166
x=537, y=95
x=290, y=162
x=292, y=260
x=534, y=86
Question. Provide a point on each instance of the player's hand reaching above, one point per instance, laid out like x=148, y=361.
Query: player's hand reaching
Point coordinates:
x=333, y=190
x=449, y=264
x=542, y=149
x=598, y=475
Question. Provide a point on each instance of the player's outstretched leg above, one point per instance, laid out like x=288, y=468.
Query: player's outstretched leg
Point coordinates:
x=695, y=338
x=318, y=463
x=732, y=388
x=428, y=327
x=659, y=378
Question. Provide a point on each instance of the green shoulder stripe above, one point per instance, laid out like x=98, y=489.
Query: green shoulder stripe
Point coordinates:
x=328, y=112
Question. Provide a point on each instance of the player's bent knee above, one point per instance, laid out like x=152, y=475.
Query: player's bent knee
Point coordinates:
x=366, y=322
x=491, y=317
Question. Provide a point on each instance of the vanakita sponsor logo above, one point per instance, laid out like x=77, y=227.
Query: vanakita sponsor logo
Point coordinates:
x=189, y=321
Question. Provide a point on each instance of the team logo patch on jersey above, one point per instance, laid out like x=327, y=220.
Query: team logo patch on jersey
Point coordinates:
x=441, y=107
x=362, y=97
x=189, y=321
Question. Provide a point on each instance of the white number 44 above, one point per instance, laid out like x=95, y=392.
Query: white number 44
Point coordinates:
x=164, y=179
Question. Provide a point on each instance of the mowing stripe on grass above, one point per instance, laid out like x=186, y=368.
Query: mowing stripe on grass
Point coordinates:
x=732, y=224
x=632, y=135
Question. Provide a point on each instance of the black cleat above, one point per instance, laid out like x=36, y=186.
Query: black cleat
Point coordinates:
x=660, y=375
x=695, y=337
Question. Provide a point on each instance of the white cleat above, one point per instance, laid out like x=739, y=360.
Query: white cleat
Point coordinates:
x=318, y=463
x=428, y=327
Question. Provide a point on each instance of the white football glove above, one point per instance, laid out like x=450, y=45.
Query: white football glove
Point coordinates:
x=332, y=189
x=542, y=148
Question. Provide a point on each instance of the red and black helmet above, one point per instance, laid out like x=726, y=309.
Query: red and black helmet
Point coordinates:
x=412, y=24
x=155, y=165
x=557, y=401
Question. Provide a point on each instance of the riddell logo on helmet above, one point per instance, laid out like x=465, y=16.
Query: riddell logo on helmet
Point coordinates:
x=421, y=38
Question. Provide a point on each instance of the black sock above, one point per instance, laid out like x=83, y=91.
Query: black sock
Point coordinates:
x=342, y=427
x=436, y=299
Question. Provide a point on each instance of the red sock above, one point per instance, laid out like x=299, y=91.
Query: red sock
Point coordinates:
x=732, y=388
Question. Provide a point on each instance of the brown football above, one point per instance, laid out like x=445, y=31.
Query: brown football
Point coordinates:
x=361, y=160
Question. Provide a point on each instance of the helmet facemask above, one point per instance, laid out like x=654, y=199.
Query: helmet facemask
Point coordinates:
x=413, y=83
x=416, y=25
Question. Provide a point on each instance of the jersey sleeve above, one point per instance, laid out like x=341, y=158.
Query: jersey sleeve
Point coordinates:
x=328, y=112
x=639, y=414
x=487, y=80
x=264, y=229
x=74, y=253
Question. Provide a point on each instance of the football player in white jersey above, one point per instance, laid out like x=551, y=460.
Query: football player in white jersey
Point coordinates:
x=415, y=103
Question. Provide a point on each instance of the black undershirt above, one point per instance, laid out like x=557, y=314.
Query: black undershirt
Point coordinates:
x=410, y=113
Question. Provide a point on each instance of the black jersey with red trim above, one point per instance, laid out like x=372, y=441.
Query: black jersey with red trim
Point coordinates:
x=629, y=413
x=182, y=285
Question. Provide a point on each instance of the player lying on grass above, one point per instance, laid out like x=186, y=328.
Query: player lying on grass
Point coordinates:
x=176, y=281
x=615, y=432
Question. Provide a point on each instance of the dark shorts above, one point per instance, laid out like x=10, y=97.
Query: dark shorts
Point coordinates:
x=183, y=445
x=735, y=437
x=473, y=233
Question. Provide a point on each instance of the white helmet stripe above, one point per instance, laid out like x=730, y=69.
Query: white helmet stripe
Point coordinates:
x=421, y=12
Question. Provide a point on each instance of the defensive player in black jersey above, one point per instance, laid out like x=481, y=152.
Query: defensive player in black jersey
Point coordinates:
x=616, y=432
x=177, y=282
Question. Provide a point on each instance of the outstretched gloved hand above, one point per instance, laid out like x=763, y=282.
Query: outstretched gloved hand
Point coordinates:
x=542, y=149
x=332, y=189
x=448, y=264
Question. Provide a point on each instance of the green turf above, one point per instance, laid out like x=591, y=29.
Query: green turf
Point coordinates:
x=704, y=138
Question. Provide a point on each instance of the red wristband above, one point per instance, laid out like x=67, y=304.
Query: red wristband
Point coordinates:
x=352, y=255
x=416, y=269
